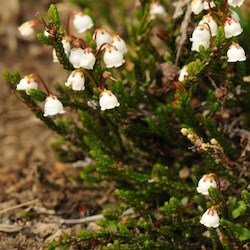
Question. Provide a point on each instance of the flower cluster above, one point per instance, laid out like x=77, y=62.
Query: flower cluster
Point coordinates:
x=207, y=28
x=83, y=57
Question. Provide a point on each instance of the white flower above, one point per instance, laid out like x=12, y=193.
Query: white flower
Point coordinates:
x=236, y=53
x=88, y=59
x=205, y=183
x=200, y=33
x=66, y=46
x=113, y=57
x=119, y=43
x=200, y=36
x=75, y=57
x=82, y=22
x=26, y=83
x=101, y=36
x=210, y=218
x=27, y=28
x=108, y=100
x=76, y=80
x=156, y=10
x=232, y=28
x=208, y=19
x=207, y=4
x=196, y=6
x=235, y=3
x=183, y=73
x=53, y=106
x=235, y=15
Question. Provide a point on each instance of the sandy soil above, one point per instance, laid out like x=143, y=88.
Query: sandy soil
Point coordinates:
x=29, y=171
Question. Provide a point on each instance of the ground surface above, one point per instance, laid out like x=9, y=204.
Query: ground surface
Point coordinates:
x=29, y=171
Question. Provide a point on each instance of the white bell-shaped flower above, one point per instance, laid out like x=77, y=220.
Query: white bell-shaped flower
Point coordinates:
x=156, y=9
x=232, y=28
x=196, y=6
x=108, y=100
x=200, y=36
x=207, y=181
x=82, y=22
x=209, y=20
x=88, y=59
x=27, y=28
x=207, y=4
x=119, y=43
x=210, y=218
x=75, y=57
x=53, y=106
x=200, y=33
x=66, y=46
x=183, y=73
x=236, y=53
x=27, y=83
x=113, y=57
x=76, y=80
x=235, y=15
x=196, y=45
x=235, y=3
x=101, y=36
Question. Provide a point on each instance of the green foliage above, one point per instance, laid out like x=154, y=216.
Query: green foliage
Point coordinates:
x=138, y=146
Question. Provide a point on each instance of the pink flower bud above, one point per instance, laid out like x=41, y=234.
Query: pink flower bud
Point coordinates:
x=82, y=22
x=53, y=106
x=27, y=83
x=236, y=53
x=210, y=218
x=108, y=100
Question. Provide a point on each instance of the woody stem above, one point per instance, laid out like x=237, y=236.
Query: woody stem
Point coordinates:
x=42, y=81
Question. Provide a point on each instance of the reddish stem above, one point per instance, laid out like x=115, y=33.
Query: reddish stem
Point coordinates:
x=42, y=81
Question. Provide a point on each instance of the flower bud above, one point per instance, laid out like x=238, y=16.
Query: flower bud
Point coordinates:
x=232, y=28
x=156, y=9
x=235, y=3
x=208, y=19
x=101, y=37
x=196, y=6
x=113, y=57
x=183, y=73
x=119, y=44
x=108, y=100
x=26, y=83
x=236, y=53
x=88, y=59
x=200, y=33
x=210, y=218
x=27, y=28
x=53, y=106
x=82, y=22
x=205, y=183
x=76, y=80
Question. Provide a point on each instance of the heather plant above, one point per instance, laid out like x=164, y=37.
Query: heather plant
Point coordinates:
x=162, y=109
